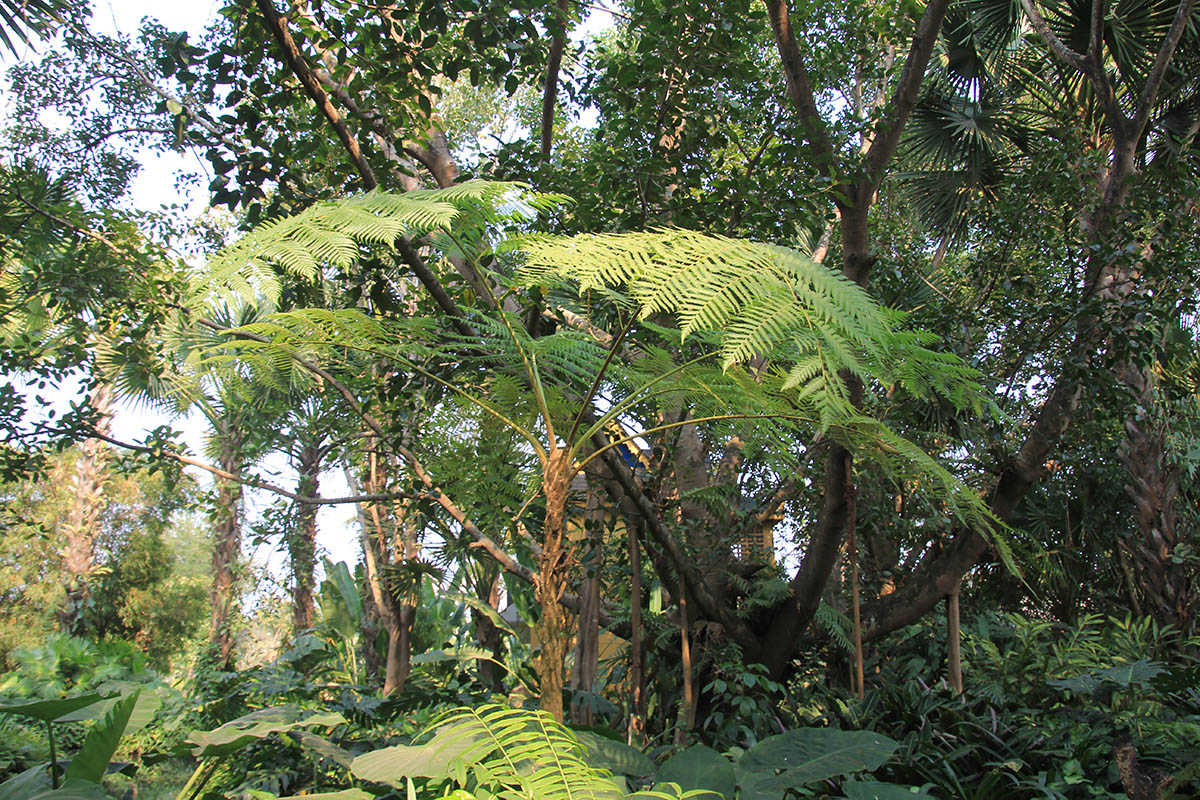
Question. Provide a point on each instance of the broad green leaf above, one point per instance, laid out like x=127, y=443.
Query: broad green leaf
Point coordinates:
x=236, y=734
x=91, y=762
x=26, y=784
x=874, y=790
x=50, y=710
x=344, y=794
x=433, y=759
x=459, y=654
x=811, y=754
x=148, y=703
x=699, y=767
x=616, y=757
x=340, y=586
x=323, y=746
x=72, y=789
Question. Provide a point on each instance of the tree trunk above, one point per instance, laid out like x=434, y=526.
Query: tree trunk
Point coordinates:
x=227, y=528
x=404, y=607
x=83, y=520
x=553, y=628
x=487, y=635
x=302, y=542
x=1154, y=487
x=587, y=648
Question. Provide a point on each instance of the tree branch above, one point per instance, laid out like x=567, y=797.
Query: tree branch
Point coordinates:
x=1064, y=54
x=887, y=137
x=1158, y=70
x=312, y=86
x=251, y=482
x=550, y=92
x=799, y=89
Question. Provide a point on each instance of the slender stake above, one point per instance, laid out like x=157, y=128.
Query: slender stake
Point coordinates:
x=852, y=536
x=687, y=713
x=954, y=641
x=636, y=722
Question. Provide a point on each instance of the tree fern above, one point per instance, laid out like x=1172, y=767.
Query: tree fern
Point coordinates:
x=494, y=751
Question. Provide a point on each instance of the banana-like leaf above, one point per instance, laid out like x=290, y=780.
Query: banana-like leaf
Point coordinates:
x=392, y=765
x=148, y=703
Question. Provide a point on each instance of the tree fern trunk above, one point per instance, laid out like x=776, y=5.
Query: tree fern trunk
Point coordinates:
x=553, y=628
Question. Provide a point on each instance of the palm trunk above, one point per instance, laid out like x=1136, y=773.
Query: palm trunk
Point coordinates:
x=83, y=519
x=1154, y=487
x=404, y=609
x=302, y=543
x=227, y=527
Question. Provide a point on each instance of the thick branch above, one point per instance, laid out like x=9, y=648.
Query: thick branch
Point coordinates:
x=799, y=89
x=887, y=137
x=1064, y=54
x=312, y=86
x=1158, y=70
x=711, y=607
x=553, y=63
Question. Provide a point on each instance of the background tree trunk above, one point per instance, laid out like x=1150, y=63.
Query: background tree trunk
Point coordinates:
x=81, y=527
x=227, y=544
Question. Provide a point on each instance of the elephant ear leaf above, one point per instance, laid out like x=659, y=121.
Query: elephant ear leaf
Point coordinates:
x=91, y=762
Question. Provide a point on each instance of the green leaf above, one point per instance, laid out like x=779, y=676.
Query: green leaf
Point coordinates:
x=806, y=755
x=699, y=768
x=874, y=790
x=26, y=784
x=344, y=794
x=234, y=735
x=148, y=703
x=72, y=789
x=616, y=757
x=323, y=746
x=50, y=710
x=91, y=762
x=433, y=759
